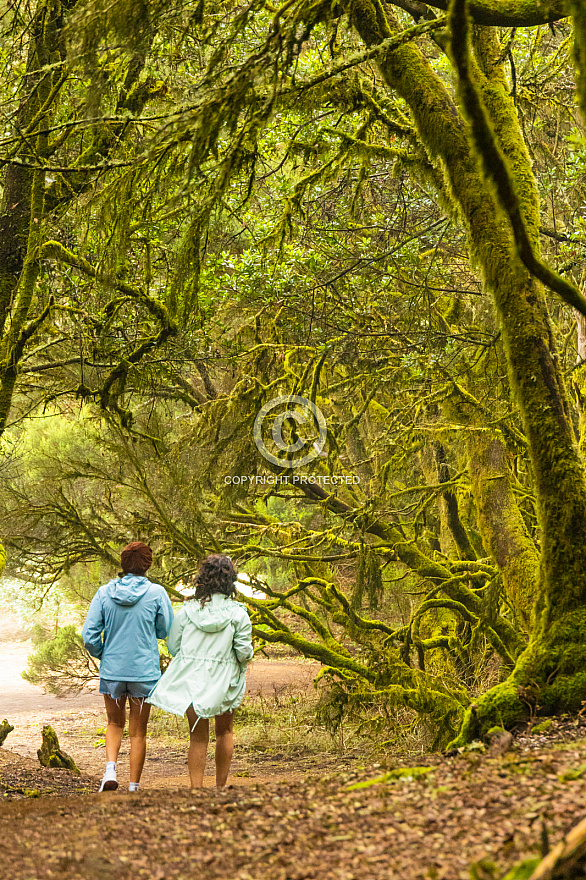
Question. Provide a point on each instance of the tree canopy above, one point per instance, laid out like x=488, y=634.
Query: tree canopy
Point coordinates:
x=372, y=205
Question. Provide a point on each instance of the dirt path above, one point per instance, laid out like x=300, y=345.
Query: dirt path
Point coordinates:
x=18, y=696
x=79, y=722
x=289, y=815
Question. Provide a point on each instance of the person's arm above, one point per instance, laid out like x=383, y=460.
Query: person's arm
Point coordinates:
x=176, y=632
x=93, y=627
x=242, y=642
x=164, y=617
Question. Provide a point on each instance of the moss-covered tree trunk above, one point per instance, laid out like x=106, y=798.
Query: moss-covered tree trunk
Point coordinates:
x=450, y=519
x=22, y=203
x=501, y=524
x=579, y=376
x=556, y=656
x=500, y=521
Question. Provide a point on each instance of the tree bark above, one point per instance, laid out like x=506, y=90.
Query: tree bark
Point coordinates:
x=500, y=521
x=449, y=509
x=579, y=376
x=556, y=656
x=513, y=13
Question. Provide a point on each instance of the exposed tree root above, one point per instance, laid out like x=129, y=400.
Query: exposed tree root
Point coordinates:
x=50, y=755
x=567, y=859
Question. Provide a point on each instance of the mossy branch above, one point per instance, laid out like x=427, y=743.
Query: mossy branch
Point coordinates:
x=465, y=409
x=373, y=150
x=502, y=634
x=512, y=13
x=115, y=382
x=318, y=652
x=495, y=165
x=265, y=614
x=354, y=617
x=406, y=36
x=54, y=250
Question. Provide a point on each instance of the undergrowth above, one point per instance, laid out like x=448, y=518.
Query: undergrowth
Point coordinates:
x=280, y=720
x=289, y=720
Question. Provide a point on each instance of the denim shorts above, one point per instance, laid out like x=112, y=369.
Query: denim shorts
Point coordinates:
x=117, y=689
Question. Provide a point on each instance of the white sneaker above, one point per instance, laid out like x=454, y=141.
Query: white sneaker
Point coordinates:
x=109, y=781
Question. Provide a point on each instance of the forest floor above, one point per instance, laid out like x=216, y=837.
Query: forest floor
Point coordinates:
x=295, y=814
x=292, y=810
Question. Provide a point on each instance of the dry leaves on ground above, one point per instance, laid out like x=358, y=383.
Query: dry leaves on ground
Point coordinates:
x=429, y=826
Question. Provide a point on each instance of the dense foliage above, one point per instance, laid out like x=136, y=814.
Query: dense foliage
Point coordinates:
x=206, y=206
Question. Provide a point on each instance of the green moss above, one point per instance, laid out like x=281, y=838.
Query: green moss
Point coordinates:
x=572, y=775
x=502, y=112
x=579, y=22
x=524, y=870
x=500, y=704
x=543, y=726
x=549, y=673
x=494, y=731
x=395, y=775
x=501, y=523
x=50, y=755
x=567, y=629
x=566, y=694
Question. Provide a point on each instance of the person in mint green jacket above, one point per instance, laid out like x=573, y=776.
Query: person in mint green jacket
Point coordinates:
x=211, y=642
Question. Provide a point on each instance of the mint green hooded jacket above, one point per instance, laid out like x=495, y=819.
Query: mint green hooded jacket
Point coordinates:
x=211, y=647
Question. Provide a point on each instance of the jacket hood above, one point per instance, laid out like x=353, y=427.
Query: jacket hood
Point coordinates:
x=215, y=614
x=127, y=590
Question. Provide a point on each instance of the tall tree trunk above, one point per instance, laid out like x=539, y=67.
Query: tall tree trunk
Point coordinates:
x=26, y=198
x=556, y=656
x=579, y=374
x=500, y=521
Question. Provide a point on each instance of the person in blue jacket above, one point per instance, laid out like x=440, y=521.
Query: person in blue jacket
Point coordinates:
x=124, y=621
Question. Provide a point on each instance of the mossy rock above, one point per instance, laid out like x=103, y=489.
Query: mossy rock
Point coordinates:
x=50, y=755
x=494, y=731
x=5, y=729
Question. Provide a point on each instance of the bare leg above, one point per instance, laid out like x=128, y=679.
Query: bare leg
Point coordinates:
x=199, y=737
x=224, y=746
x=137, y=729
x=116, y=712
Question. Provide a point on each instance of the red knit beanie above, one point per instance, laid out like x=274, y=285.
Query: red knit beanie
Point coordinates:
x=136, y=558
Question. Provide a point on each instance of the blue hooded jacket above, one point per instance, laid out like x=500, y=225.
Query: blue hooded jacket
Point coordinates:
x=132, y=613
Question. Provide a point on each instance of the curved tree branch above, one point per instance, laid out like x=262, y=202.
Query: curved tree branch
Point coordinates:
x=510, y=13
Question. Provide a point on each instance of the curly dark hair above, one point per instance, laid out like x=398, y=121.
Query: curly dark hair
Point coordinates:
x=217, y=574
